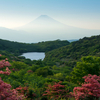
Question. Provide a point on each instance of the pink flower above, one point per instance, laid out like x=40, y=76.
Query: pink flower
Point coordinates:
x=91, y=87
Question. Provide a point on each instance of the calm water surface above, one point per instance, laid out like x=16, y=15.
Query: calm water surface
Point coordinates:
x=34, y=55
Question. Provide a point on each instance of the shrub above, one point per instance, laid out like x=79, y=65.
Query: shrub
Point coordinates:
x=45, y=71
x=57, y=91
x=5, y=89
x=90, y=88
x=7, y=94
x=26, y=91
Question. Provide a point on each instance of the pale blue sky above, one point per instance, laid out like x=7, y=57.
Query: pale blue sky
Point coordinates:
x=79, y=13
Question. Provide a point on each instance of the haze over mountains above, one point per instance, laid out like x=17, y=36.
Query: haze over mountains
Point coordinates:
x=42, y=23
x=45, y=28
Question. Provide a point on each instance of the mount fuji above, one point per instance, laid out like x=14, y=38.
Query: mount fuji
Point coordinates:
x=45, y=28
x=42, y=23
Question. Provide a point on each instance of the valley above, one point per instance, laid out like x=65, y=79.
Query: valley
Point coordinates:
x=49, y=49
x=65, y=64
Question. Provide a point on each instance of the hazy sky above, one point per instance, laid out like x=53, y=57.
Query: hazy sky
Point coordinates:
x=79, y=13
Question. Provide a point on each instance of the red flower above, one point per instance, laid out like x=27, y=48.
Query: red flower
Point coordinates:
x=91, y=87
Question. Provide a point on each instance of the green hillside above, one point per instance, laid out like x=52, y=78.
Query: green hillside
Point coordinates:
x=75, y=50
x=17, y=48
x=58, y=75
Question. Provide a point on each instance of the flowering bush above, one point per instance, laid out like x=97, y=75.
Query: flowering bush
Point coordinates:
x=57, y=91
x=4, y=63
x=26, y=91
x=5, y=89
x=7, y=94
x=90, y=88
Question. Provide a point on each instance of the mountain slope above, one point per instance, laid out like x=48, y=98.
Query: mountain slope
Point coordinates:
x=16, y=47
x=42, y=23
x=13, y=35
x=75, y=50
x=46, y=28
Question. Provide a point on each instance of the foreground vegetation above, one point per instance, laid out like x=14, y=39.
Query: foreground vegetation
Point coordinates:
x=46, y=82
x=52, y=80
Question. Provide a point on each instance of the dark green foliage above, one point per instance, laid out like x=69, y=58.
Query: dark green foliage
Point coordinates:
x=19, y=48
x=50, y=45
x=75, y=50
x=18, y=65
x=44, y=71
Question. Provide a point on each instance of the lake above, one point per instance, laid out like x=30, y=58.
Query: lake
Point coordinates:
x=34, y=55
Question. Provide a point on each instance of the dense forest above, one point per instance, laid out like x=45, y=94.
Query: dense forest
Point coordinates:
x=70, y=71
x=17, y=48
x=88, y=46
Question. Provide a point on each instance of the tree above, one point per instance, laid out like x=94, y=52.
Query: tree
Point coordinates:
x=56, y=92
x=44, y=71
x=88, y=65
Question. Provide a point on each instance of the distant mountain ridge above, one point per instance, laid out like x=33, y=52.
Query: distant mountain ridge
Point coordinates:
x=72, y=40
x=45, y=28
x=14, y=35
x=42, y=23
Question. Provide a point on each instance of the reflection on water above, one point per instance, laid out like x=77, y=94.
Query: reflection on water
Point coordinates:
x=34, y=55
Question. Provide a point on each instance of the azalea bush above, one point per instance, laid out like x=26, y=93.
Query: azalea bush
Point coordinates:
x=89, y=90
x=56, y=92
x=5, y=63
x=28, y=93
x=6, y=93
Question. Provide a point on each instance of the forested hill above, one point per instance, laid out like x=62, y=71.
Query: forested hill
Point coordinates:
x=16, y=47
x=75, y=50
